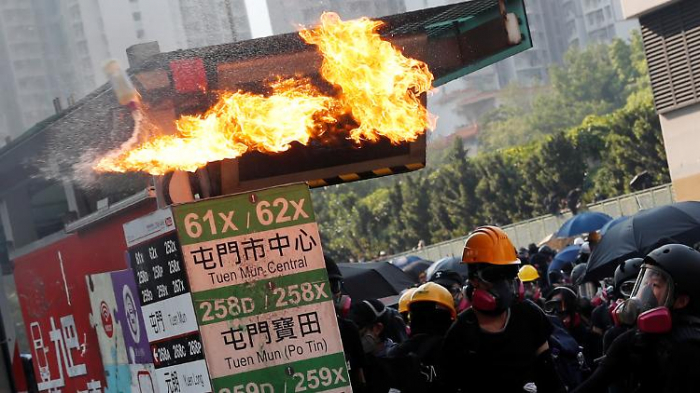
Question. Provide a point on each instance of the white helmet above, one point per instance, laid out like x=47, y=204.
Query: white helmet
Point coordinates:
x=585, y=248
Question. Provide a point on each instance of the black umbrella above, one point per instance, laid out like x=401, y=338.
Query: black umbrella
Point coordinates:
x=448, y=263
x=642, y=233
x=378, y=280
x=416, y=268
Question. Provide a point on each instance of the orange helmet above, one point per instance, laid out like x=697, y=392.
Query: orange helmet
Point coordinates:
x=436, y=293
x=489, y=244
x=405, y=299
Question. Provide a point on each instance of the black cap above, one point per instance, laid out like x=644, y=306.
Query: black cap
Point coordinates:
x=447, y=278
x=368, y=312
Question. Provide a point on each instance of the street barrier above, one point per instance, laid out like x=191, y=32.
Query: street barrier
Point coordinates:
x=535, y=230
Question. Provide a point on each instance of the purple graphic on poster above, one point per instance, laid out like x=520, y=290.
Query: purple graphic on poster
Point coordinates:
x=128, y=314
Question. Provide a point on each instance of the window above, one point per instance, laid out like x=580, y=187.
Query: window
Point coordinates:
x=140, y=33
x=137, y=16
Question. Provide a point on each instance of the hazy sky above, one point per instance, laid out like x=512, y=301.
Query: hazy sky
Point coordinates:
x=258, y=18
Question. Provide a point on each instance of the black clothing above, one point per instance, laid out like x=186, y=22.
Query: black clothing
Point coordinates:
x=416, y=364
x=655, y=362
x=474, y=360
x=601, y=318
x=610, y=336
x=354, y=356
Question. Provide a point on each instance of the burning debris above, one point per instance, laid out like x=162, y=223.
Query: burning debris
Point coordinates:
x=377, y=87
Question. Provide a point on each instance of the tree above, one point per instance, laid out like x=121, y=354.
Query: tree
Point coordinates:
x=634, y=144
x=594, y=129
x=415, y=213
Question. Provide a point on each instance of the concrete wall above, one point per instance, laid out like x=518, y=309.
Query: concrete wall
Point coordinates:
x=535, y=230
x=681, y=130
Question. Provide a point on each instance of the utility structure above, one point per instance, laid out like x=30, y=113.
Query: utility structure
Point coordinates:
x=56, y=232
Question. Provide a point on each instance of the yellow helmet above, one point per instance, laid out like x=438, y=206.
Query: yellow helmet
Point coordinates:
x=528, y=273
x=405, y=299
x=489, y=244
x=436, y=293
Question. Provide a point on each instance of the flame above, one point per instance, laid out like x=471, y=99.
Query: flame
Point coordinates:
x=378, y=86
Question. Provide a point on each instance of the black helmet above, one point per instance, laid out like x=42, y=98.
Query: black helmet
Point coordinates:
x=545, y=249
x=569, y=301
x=682, y=263
x=626, y=271
x=577, y=273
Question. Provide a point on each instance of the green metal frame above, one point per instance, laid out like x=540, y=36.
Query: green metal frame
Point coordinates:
x=471, y=21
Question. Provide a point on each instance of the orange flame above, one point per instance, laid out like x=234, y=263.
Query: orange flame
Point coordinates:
x=379, y=87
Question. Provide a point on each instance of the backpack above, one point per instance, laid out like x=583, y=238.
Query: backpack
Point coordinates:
x=567, y=356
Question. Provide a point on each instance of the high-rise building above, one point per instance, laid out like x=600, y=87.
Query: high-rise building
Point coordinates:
x=590, y=21
x=286, y=15
x=56, y=48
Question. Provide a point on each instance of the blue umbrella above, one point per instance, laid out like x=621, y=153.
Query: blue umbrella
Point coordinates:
x=582, y=223
x=612, y=223
x=567, y=255
x=402, y=262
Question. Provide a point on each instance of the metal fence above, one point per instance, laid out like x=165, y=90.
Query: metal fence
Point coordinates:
x=537, y=229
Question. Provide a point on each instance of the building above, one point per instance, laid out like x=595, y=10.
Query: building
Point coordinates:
x=671, y=31
x=287, y=15
x=55, y=48
x=589, y=21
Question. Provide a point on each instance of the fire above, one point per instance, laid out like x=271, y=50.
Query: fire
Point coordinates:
x=379, y=87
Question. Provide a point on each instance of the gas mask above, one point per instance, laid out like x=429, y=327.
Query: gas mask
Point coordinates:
x=493, y=301
x=531, y=291
x=587, y=290
x=369, y=342
x=649, y=304
x=341, y=302
x=563, y=305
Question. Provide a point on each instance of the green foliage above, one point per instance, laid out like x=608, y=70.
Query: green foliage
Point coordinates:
x=594, y=129
x=593, y=81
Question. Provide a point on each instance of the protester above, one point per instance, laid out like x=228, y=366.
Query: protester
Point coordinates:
x=403, y=303
x=453, y=282
x=583, y=253
x=372, y=318
x=563, y=302
x=529, y=276
x=624, y=280
x=559, y=273
x=662, y=353
x=349, y=333
x=498, y=344
x=524, y=255
x=431, y=314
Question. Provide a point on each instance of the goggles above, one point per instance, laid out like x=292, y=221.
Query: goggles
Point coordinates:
x=554, y=307
x=626, y=288
x=493, y=274
x=654, y=288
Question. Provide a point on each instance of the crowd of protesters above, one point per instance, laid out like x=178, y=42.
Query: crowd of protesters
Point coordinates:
x=519, y=322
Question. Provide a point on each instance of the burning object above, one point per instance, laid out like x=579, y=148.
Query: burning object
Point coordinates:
x=375, y=86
